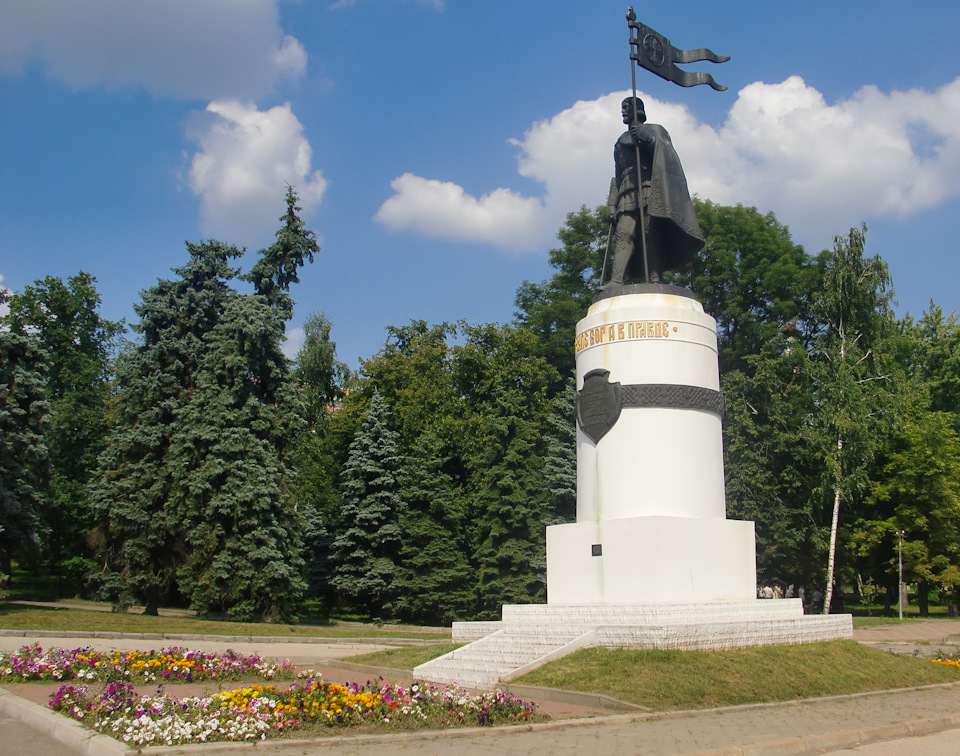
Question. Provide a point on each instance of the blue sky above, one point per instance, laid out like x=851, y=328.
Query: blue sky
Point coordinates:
x=437, y=145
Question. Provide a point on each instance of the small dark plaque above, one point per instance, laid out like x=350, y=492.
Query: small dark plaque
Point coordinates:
x=598, y=404
x=596, y=549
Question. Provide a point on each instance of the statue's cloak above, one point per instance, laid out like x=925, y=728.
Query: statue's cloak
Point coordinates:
x=672, y=218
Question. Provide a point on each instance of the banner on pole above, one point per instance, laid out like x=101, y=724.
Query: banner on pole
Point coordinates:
x=653, y=51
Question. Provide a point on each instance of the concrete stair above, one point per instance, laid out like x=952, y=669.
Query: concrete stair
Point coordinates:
x=485, y=662
x=530, y=635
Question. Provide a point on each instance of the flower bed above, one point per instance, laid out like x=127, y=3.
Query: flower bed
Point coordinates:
x=167, y=665
x=947, y=662
x=258, y=711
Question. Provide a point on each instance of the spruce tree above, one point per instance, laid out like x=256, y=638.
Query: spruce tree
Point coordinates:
x=435, y=574
x=512, y=511
x=278, y=266
x=24, y=457
x=194, y=488
x=560, y=456
x=230, y=482
x=141, y=538
x=369, y=542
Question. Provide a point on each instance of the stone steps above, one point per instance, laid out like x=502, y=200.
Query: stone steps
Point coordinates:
x=483, y=663
x=503, y=653
x=474, y=665
x=531, y=635
x=521, y=643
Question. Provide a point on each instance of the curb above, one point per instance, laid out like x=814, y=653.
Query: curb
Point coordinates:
x=279, y=639
x=67, y=731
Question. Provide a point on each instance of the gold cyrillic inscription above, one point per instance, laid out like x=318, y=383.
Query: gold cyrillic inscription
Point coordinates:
x=627, y=331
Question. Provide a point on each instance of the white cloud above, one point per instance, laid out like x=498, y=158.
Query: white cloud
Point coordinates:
x=175, y=48
x=821, y=168
x=293, y=342
x=443, y=209
x=246, y=159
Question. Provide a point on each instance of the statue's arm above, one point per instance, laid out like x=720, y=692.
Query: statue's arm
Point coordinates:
x=612, y=199
x=645, y=135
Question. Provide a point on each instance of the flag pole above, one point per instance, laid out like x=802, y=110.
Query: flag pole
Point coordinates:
x=634, y=41
x=606, y=254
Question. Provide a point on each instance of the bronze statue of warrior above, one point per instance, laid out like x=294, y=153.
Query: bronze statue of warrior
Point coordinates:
x=662, y=205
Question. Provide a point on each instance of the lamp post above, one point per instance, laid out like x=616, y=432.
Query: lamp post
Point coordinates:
x=900, y=574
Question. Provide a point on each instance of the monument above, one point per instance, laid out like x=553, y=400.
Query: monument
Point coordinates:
x=651, y=561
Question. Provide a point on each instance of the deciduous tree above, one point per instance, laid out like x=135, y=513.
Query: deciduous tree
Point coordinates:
x=552, y=308
x=65, y=319
x=853, y=308
x=751, y=277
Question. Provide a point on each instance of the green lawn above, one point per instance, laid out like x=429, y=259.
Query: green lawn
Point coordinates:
x=873, y=621
x=911, y=610
x=18, y=617
x=668, y=680
x=405, y=658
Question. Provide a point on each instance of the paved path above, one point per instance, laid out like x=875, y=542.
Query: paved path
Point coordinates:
x=923, y=637
x=938, y=744
x=29, y=741
x=910, y=631
x=911, y=719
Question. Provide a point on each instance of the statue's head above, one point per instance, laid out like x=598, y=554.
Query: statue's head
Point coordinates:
x=627, y=109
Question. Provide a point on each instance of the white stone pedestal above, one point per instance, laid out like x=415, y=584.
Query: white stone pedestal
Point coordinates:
x=651, y=514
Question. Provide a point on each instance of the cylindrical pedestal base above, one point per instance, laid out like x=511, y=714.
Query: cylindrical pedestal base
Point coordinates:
x=663, y=454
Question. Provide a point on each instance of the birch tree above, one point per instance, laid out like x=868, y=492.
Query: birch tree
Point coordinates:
x=853, y=310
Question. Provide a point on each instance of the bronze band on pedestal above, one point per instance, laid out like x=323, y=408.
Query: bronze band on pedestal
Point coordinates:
x=599, y=402
x=671, y=395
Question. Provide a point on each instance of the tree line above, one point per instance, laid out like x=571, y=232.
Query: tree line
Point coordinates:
x=196, y=465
